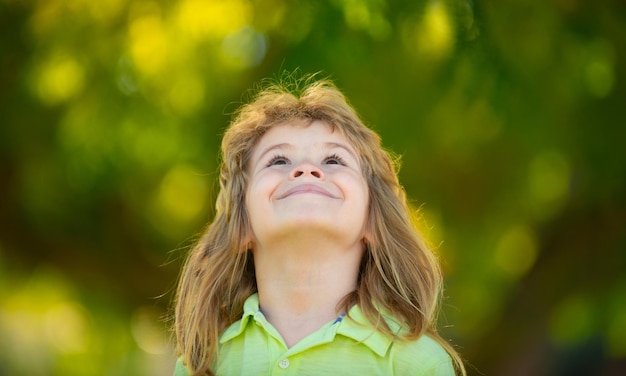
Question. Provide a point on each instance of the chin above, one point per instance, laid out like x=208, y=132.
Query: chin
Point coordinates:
x=305, y=220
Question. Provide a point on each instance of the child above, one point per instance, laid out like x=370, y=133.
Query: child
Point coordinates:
x=311, y=265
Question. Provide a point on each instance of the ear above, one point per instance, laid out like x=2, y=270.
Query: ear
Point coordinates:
x=366, y=240
x=367, y=233
x=248, y=242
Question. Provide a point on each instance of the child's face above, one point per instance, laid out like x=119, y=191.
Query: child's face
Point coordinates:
x=306, y=180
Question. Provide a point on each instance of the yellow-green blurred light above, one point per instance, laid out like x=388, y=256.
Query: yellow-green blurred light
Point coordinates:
x=516, y=251
x=572, y=321
x=59, y=78
x=433, y=36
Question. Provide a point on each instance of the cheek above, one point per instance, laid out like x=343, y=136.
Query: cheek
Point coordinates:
x=259, y=193
x=252, y=204
x=364, y=188
x=360, y=189
x=354, y=186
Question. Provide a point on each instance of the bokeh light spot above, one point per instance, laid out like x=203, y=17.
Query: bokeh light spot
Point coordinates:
x=60, y=78
x=148, y=44
x=39, y=317
x=516, y=251
x=572, y=321
x=357, y=14
x=599, y=75
x=147, y=332
x=361, y=15
x=599, y=78
x=183, y=192
x=213, y=19
x=244, y=48
x=433, y=36
x=549, y=180
x=65, y=327
x=181, y=197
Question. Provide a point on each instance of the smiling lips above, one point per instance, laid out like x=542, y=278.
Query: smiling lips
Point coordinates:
x=306, y=188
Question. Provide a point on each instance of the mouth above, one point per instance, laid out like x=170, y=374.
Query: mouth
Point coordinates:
x=306, y=189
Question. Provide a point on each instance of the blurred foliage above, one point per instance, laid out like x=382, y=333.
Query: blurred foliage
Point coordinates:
x=507, y=115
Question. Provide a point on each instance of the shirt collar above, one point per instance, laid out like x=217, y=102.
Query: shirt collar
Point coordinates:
x=250, y=308
x=355, y=325
x=359, y=328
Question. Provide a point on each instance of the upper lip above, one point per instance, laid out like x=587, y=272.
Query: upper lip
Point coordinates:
x=306, y=188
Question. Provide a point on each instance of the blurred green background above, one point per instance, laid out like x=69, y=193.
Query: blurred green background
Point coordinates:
x=509, y=116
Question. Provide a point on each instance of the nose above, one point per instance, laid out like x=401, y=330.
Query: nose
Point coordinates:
x=306, y=169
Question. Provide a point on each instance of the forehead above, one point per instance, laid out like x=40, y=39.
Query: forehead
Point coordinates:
x=301, y=132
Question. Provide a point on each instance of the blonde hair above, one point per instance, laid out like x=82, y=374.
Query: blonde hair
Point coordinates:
x=399, y=274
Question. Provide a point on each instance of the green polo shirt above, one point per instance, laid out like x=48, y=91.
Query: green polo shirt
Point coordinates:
x=252, y=346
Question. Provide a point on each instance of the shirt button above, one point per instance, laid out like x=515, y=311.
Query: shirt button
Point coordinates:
x=284, y=363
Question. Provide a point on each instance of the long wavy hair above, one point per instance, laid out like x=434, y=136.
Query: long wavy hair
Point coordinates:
x=399, y=273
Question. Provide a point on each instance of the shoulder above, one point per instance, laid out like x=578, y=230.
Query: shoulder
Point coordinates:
x=424, y=356
x=180, y=369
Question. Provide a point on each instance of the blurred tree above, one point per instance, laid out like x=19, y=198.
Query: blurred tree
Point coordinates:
x=506, y=116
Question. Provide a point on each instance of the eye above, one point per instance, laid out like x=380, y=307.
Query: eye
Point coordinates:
x=334, y=159
x=278, y=160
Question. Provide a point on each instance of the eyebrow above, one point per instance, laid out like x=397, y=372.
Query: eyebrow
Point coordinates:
x=327, y=145
x=332, y=145
x=283, y=145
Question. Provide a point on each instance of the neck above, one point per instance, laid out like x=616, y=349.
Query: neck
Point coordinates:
x=301, y=283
